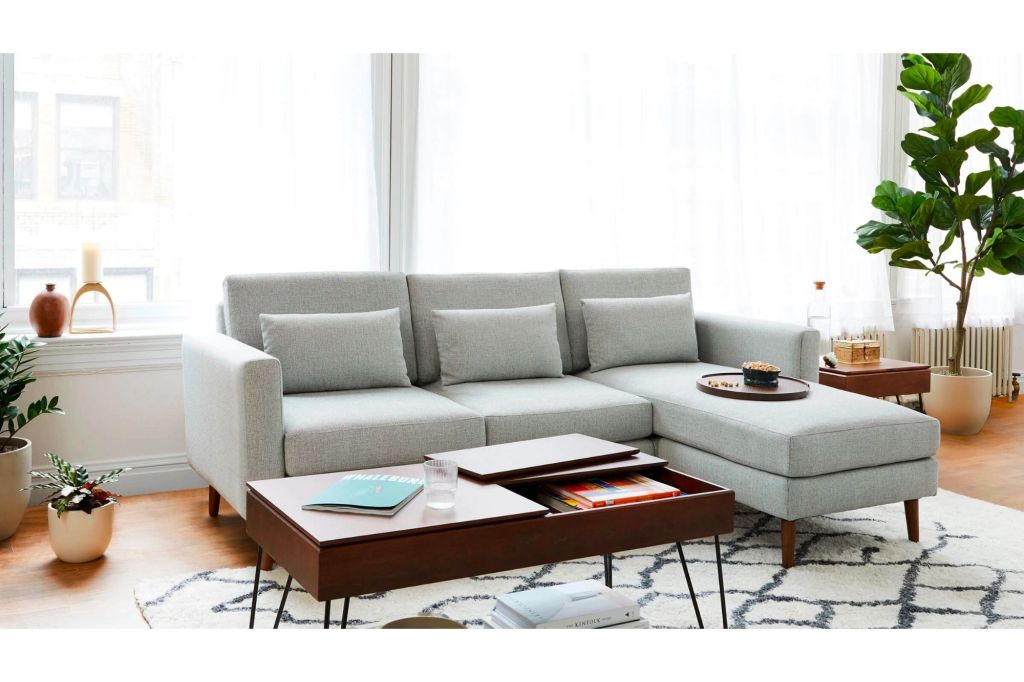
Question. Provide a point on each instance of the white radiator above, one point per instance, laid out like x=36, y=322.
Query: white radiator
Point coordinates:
x=988, y=348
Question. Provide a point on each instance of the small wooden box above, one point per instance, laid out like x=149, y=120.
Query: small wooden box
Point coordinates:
x=857, y=351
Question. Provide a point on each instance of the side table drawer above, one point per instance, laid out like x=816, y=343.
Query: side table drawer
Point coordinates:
x=880, y=384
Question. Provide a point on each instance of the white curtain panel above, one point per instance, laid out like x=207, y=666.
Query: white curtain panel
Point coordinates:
x=753, y=170
x=928, y=301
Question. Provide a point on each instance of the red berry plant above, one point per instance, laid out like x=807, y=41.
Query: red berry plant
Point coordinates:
x=73, y=489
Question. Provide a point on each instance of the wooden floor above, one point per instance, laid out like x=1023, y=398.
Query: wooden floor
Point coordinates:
x=170, y=534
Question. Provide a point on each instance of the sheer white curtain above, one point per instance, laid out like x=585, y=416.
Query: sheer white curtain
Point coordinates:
x=928, y=301
x=751, y=170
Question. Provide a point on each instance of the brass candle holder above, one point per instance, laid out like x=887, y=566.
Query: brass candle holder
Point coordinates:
x=99, y=289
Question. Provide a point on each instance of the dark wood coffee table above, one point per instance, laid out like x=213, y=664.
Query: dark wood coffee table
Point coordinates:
x=879, y=379
x=494, y=527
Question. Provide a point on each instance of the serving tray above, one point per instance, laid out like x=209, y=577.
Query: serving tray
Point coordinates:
x=788, y=388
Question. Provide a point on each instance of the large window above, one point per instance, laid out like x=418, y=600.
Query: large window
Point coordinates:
x=187, y=168
x=752, y=170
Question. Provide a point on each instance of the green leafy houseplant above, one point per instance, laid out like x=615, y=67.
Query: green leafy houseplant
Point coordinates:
x=75, y=491
x=976, y=220
x=16, y=357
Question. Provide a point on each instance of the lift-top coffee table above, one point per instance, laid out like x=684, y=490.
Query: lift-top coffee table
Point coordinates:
x=495, y=526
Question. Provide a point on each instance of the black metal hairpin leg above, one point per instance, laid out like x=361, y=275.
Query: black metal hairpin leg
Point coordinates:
x=344, y=615
x=721, y=583
x=255, y=588
x=608, y=570
x=327, y=614
x=920, y=403
x=284, y=598
x=689, y=586
x=899, y=401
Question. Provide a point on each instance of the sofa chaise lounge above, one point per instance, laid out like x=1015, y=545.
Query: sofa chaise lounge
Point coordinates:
x=831, y=451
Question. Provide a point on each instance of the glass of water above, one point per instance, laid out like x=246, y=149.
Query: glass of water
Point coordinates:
x=441, y=478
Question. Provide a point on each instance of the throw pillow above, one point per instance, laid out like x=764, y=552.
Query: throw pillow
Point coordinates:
x=639, y=331
x=336, y=351
x=497, y=344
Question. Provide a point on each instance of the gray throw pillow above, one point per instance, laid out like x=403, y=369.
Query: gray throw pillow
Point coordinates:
x=639, y=331
x=497, y=344
x=337, y=351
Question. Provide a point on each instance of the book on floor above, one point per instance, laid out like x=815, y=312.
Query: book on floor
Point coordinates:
x=584, y=604
x=498, y=622
x=379, y=494
x=607, y=491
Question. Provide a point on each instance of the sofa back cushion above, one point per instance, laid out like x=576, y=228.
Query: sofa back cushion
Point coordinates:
x=669, y=331
x=247, y=296
x=428, y=293
x=640, y=283
x=336, y=351
x=498, y=344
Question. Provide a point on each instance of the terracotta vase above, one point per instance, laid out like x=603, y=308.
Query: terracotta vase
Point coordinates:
x=49, y=312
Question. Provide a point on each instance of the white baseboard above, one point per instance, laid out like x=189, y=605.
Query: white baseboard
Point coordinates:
x=149, y=474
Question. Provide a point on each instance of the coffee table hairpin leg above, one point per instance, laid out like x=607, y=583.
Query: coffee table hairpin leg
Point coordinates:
x=721, y=584
x=284, y=599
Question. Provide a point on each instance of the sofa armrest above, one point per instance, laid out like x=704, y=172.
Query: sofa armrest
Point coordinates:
x=731, y=341
x=233, y=427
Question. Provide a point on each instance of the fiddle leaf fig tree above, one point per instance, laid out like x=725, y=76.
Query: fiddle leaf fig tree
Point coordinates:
x=966, y=222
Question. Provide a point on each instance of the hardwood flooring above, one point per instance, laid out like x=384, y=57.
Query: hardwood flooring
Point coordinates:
x=170, y=534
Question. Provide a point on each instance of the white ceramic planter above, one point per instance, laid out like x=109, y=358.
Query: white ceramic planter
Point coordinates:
x=14, y=468
x=77, y=537
x=960, y=403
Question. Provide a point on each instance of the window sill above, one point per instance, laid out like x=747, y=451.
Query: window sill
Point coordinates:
x=130, y=350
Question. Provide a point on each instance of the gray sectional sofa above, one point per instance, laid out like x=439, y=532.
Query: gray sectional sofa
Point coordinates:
x=831, y=451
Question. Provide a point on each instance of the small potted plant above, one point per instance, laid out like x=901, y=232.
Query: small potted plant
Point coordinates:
x=81, y=514
x=16, y=356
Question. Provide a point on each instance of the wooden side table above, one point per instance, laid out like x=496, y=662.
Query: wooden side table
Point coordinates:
x=879, y=379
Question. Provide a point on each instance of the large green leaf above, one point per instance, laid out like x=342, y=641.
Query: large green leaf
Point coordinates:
x=942, y=61
x=951, y=236
x=909, y=59
x=1007, y=117
x=945, y=130
x=922, y=77
x=976, y=137
x=975, y=181
x=931, y=177
x=943, y=216
x=887, y=193
x=918, y=248
x=921, y=147
x=948, y=164
x=922, y=218
x=975, y=94
x=966, y=205
x=923, y=104
x=996, y=151
x=1014, y=184
x=1012, y=212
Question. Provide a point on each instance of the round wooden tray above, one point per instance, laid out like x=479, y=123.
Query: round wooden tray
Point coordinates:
x=788, y=388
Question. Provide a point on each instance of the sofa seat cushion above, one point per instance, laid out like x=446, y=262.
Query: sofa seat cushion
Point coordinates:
x=373, y=427
x=521, y=409
x=829, y=430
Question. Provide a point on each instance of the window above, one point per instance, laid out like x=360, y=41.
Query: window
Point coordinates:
x=25, y=145
x=88, y=147
x=185, y=168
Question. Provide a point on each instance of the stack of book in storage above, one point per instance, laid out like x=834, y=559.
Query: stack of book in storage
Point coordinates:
x=582, y=605
x=603, y=492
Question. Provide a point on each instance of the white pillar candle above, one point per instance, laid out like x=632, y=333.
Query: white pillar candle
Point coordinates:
x=92, y=263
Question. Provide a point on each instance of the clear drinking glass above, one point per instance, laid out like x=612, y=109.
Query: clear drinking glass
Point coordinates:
x=441, y=478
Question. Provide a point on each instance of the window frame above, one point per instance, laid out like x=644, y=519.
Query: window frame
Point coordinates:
x=33, y=97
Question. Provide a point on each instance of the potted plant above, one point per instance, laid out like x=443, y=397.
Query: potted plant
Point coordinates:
x=963, y=224
x=80, y=514
x=16, y=357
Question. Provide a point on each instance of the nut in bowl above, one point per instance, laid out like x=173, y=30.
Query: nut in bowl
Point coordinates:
x=759, y=373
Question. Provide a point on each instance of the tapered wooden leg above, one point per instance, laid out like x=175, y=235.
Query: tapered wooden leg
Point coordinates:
x=788, y=543
x=267, y=562
x=214, y=500
x=910, y=508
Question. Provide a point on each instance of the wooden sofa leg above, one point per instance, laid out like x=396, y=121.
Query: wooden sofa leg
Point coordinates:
x=788, y=543
x=214, y=502
x=913, y=529
x=267, y=562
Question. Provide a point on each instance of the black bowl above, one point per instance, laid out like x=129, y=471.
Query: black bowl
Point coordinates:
x=759, y=377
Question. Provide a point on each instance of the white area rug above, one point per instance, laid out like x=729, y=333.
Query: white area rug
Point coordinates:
x=854, y=570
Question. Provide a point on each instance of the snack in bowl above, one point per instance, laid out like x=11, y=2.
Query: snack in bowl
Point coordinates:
x=758, y=373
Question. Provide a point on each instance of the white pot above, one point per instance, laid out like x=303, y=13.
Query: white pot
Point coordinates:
x=77, y=537
x=14, y=468
x=960, y=403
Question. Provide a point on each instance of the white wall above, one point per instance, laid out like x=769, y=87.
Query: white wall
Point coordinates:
x=124, y=407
